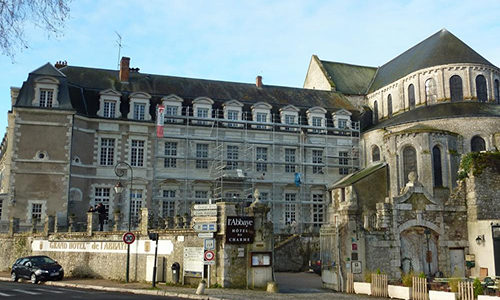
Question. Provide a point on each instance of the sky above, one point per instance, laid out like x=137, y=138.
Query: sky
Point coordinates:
x=238, y=40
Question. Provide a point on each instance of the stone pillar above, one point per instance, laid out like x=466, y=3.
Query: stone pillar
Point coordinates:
x=56, y=224
x=48, y=225
x=168, y=222
x=116, y=220
x=13, y=226
x=143, y=227
x=185, y=220
x=178, y=222
x=34, y=223
x=90, y=223
x=71, y=223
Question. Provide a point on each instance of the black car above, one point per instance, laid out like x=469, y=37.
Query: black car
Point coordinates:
x=36, y=268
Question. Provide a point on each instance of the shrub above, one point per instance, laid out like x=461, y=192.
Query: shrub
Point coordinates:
x=421, y=275
x=478, y=288
x=406, y=279
x=368, y=276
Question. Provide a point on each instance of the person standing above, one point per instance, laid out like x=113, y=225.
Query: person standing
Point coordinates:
x=101, y=211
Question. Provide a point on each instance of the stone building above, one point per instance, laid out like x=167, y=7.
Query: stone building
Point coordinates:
x=430, y=105
x=70, y=126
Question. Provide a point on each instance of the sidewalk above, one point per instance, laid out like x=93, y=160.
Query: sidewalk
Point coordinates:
x=186, y=292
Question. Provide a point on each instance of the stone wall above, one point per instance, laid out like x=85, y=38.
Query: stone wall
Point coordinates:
x=294, y=252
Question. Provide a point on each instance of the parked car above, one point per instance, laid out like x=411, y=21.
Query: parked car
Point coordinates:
x=36, y=268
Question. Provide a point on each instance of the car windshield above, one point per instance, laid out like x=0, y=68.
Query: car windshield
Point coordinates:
x=42, y=260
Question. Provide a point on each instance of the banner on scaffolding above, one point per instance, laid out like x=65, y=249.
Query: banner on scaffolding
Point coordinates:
x=160, y=117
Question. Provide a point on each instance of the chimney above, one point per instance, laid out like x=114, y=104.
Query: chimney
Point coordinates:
x=124, y=69
x=61, y=64
x=258, y=81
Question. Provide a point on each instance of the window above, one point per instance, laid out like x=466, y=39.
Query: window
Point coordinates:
x=317, y=159
x=477, y=144
x=232, y=157
x=342, y=123
x=109, y=109
x=411, y=96
x=289, y=119
x=264, y=196
x=456, y=92
x=107, y=152
x=375, y=112
x=409, y=162
x=168, y=203
x=261, y=117
x=201, y=156
x=318, y=210
x=170, y=153
x=137, y=153
x=290, y=160
x=497, y=91
x=135, y=206
x=36, y=212
x=436, y=166
x=102, y=195
x=170, y=110
x=317, y=121
x=232, y=196
x=261, y=157
x=202, y=112
x=375, y=153
x=201, y=197
x=389, y=105
x=290, y=208
x=232, y=114
x=481, y=90
x=46, y=97
x=430, y=91
x=139, y=111
x=343, y=161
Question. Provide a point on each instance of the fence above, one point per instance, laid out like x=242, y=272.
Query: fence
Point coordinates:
x=379, y=285
x=350, y=283
x=465, y=291
x=419, y=288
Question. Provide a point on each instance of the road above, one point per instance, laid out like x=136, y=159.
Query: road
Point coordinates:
x=301, y=282
x=20, y=290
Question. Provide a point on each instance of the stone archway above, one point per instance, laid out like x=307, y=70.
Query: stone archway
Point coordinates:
x=414, y=250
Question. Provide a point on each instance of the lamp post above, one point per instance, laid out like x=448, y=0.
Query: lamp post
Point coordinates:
x=120, y=172
x=428, y=255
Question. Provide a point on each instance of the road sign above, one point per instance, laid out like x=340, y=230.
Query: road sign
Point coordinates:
x=205, y=206
x=203, y=213
x=205, y=227
x=206, y=235
x=209, y=244
x=204, y=219
x=209, y=255
x=128, y=238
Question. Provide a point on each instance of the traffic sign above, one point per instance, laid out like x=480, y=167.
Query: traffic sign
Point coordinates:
x=204, y=219
x=128, y=238
x=209, y=244
x=209, y=255
x=205, y=227
x=206, y=235
x=204, y=212
x=205, y=206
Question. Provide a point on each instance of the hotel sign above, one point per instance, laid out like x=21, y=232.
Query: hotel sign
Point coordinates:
x=240, y=230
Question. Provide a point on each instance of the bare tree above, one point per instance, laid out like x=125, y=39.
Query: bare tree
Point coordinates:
x=15, y=14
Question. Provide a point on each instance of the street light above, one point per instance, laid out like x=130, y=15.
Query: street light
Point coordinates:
x=428, y=255
x=120, y=172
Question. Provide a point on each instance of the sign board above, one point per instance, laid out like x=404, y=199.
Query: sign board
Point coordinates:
x=204, y=213
x=209, y=244
x=193, y=260
x=261, y=259
x=209, y=257
x=206, y=235
x=240, y=230
x=356, y=267
x=139, y=247
x=205, y=206
x=205, y=227
x=204, y=219
x=128, y=238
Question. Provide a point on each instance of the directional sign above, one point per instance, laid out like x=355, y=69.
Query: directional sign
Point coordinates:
x=200, y=213
x=205, y=206
x=204, y=219
x=206, y=235
x=205, y=227
x=209, y=244
x=128, y=238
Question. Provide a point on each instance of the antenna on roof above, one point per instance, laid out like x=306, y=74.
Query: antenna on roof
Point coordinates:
x=120, y=45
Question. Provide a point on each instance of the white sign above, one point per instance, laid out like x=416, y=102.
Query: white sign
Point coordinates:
x=204, y=213
x=206, y=235
x=193, y=259
x=137, y=247
x=209, y=244
x=204, y=219
x=205, y=227
x=205, y=206
x=356, y=267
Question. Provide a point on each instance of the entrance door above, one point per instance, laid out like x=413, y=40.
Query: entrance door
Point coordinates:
x=496, y=248
x=414, y=249
x=457, y=262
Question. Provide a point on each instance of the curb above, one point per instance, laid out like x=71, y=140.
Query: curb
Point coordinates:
x=122, y=290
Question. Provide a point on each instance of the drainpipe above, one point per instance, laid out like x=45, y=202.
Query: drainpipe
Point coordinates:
x=341, y=281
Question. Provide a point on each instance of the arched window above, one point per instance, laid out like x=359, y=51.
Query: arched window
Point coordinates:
x=409, y=162
x=411, y=96
x=430, y=91
x=481, y=91
x=375, y=153
x=497, y=91
x=436, y=166
x=389, y=106
x=477, y=144
x=375, y=112
x=456, y=91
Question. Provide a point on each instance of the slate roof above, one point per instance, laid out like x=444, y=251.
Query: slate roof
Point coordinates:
x=357, y=176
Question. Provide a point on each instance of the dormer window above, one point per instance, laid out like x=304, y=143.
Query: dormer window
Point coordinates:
x=289, y=116
x=46, y=90
x=202, y=112
x=202, y=109
x=261, y=113
x=139, y=107
x=317, y=121
x=290, y=119
x=232, y=114
x=316, y=118
x=342, y=119
x=109, y=104
x=233, y=111
x=173, y=108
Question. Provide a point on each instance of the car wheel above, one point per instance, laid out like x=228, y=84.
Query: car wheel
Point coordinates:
x=13, y=276
x=34, y=280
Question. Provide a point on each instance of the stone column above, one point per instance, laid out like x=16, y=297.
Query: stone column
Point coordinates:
x=116, y=219
x=143, y=227
x=71, y=223
x=13, y=226
x=90, y=223
x=48, y=225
